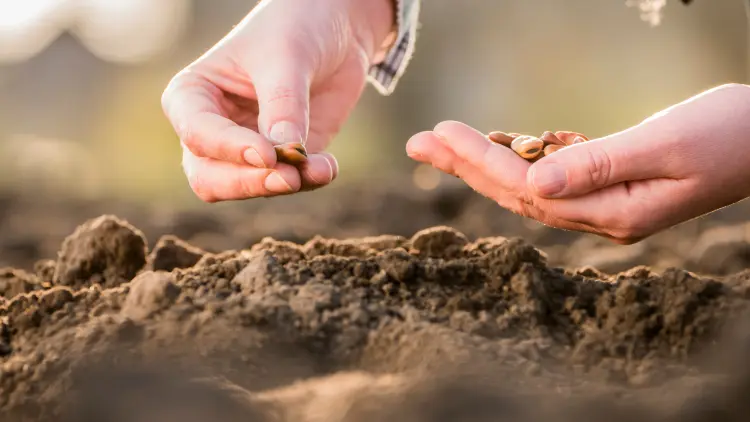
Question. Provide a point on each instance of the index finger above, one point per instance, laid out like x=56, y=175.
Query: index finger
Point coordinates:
x=191, y=104
x=471, y=146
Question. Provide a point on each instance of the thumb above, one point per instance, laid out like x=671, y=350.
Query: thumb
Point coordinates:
x=282, y=85
x=586, y=167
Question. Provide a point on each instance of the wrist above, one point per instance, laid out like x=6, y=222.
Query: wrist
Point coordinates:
x=375, y=26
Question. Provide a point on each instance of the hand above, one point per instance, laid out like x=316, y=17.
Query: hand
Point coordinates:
x=290, y=72
x=681, y=163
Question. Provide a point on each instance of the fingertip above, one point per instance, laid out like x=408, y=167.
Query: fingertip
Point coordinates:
x=286, y=132
x=547, y=179
x=448, y=125
x=421, y=145
x=283, y=179
x=266, y=154
x=452, y=130
x=334, y=165
x=319, y=169
x=253, y=158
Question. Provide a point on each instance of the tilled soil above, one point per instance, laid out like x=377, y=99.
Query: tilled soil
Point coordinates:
x=436, y=326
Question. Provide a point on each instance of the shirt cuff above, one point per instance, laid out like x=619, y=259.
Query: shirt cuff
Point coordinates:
x=384, y=76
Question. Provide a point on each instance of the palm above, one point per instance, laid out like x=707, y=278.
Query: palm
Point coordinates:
x=498, y=173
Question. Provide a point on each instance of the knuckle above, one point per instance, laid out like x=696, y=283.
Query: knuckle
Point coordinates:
x=191, y=140
x=201, y=188
x=625, y=239
x=222, y=147
x=627, y=234
x=247, y=187
x=173, y=85
x=631, y=223
x=731, y=86
x=165, y=100
x=283, y=94
x=166, y=95
x=599, y=166
x=525, y=207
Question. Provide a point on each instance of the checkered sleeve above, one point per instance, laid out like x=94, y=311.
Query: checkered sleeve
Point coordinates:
x=384, y=76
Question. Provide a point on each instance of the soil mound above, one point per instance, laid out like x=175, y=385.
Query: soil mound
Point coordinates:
x=716, y=244
x=431, y=327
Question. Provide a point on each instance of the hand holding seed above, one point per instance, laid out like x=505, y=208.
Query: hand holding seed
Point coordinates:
x=677, y=165
x=245, y=108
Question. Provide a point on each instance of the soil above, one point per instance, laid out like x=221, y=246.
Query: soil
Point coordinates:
x=32, y=228
x=436, y=326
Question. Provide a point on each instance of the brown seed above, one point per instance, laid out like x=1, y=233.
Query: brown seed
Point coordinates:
x=528, y=147
x=501, y=138
x=550, y=138
x=569, y=138
x=294, y=154
x=549, y=149
x=579, y=140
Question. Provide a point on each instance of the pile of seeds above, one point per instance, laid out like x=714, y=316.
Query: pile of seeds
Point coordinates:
x=532, y=148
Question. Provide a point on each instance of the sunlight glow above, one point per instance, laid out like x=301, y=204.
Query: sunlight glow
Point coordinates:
x=28, y=27
x=426, y=177
x=130, y=30
x=113, y=30
x=651, y=10
x=18, y=15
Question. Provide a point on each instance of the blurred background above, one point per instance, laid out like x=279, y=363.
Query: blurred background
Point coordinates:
x=82, y=131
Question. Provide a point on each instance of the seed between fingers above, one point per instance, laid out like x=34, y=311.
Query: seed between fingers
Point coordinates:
x=294, y=154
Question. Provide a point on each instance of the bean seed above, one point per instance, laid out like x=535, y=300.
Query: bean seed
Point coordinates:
x=579, y=139
x=501, y=138
x=550, y=138
x=294, y=154
x=549, y=149
x=528, y=147
x=570, y=138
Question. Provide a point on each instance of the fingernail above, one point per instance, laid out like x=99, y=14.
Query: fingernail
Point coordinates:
x=275, y=183
x=253, y=158
x=285, y=132
x=415, y=148
x=330, y=177
x=309, y=174
x=549, y=179
x=413, y=153
x=578, y=140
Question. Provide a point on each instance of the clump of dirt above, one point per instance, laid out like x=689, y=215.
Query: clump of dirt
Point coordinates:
x=105, y=251
x=435, y=327
x=14, y=282
x=171, y=252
